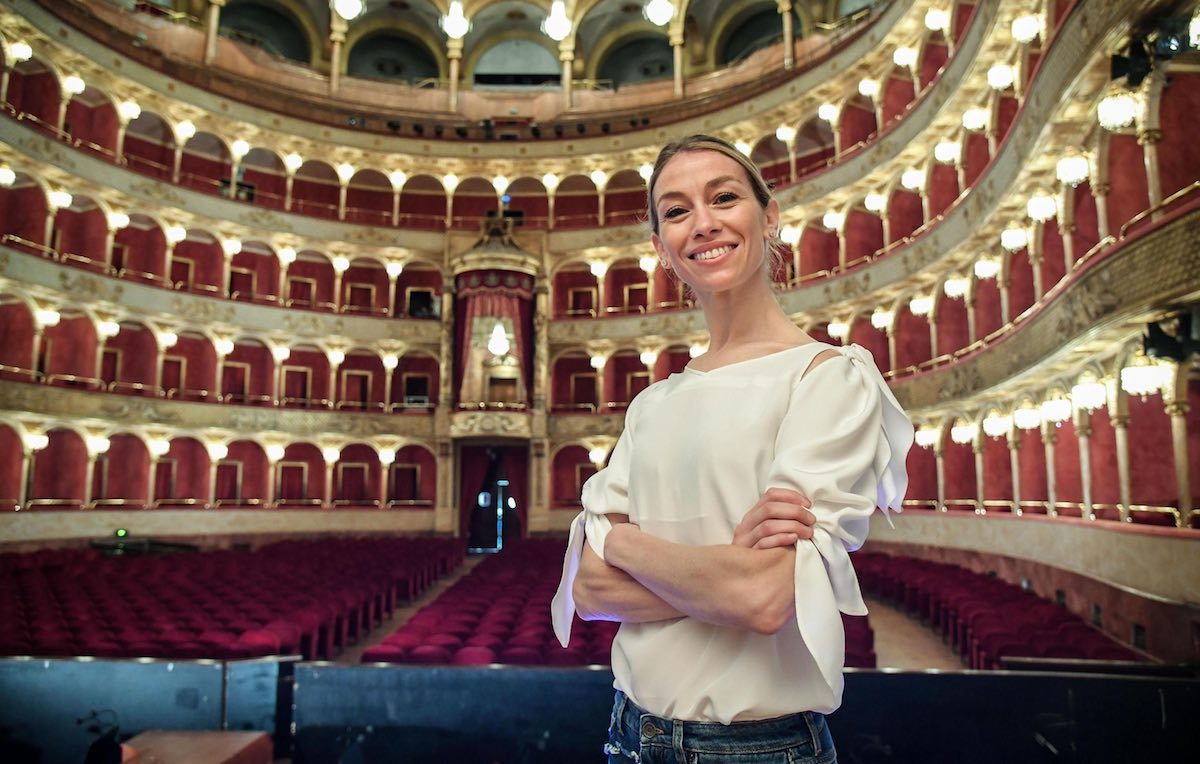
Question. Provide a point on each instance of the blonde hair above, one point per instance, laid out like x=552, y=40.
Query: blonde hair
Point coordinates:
x=758, y=185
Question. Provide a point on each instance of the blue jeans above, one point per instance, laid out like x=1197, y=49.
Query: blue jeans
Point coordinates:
x=642, y=738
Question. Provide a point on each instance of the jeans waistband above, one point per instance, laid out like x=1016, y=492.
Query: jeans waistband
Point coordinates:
x=762, y=735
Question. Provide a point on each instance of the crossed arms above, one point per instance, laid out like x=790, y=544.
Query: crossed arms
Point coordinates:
x=747, y=584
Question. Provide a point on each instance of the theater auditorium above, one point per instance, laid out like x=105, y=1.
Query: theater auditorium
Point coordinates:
x=316, y=316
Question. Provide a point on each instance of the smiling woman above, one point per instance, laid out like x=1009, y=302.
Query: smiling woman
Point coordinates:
x=718, y=534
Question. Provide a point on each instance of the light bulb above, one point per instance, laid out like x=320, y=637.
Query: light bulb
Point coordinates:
x=646, y=171
x=1073, y=169
x=597, y=456
x=597, y=361
x=117, y=220
x=293, y=162
x=833, y=220
x=1117, y=110
x=345, y=171
x=129, y=110
x=785, y=133
x=239, y=149
x=839, y=330
x=1014, y=239
x=881, y=319
x=937, y=20
x=905, y=56
x=875, y=202
x=828, y=112
x=913, y=179
x=185, y=130
x=648, y=263
x=947, y=152
x=500, y=183
x=20, y=51
x=1041, y=207
x=387, y=456
x=975, y=119
x=920, y=306
x=648, y=357
x=1000, y=76
x=336, y=357
x=868, y=87
x=286, y=255
x=1026, y=27
x=659, y=12
x=450, y=182
x=955, y=287
x=74, y=84
x=455, y=23
x=557, y=26
x=398, y=178
x=331, y=454
x=986, y=268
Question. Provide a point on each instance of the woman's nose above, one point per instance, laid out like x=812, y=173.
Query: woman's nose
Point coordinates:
x=703, y=222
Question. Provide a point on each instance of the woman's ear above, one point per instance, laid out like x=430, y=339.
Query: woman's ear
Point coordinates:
x=771, y=223
x=663, y=261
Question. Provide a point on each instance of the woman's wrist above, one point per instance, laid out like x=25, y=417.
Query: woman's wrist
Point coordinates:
x=616, y=542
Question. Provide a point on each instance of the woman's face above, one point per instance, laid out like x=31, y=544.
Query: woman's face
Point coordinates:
x=712, y=230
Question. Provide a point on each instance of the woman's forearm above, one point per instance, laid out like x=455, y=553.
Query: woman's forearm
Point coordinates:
x=723, y=584
x=605, y=593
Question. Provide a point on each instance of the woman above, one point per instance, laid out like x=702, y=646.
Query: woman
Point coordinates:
x=731, y=645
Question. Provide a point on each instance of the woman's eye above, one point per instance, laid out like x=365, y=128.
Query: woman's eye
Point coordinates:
x=725, y=197
x=674, y=212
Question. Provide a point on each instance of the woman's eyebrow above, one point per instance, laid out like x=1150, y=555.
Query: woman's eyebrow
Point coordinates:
x=717, y=181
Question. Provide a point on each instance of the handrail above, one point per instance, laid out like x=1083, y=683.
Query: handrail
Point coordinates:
x=1180, y=194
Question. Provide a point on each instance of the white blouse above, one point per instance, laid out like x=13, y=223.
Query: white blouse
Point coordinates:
x=698, y=451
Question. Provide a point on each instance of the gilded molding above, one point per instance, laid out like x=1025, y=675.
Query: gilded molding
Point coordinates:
x=255, y=120
x=120, y=412
x=509, y=424
x=64, y=285
x=1113, y=294
x=566, y=428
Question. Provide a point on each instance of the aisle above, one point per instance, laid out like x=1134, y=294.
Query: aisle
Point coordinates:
x=353, y=654
x=905, y=643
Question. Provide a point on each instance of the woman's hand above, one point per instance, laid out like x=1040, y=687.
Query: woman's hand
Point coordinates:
x=779, y=519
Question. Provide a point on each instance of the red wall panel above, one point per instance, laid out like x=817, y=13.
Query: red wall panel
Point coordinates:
x=1127, y=177
x=959, y=471
x=1151, y=460
x=951, y=325
x=59, y=469
x=1179, y=151
x=898, y=93
x=905, y=214
x=16, y=335
x=976, y=156
x=23, y=213
x=11, y=449
x=818, y=250
x=126, y=468
x=864, y=234
x=71, y=347
x=943, y=188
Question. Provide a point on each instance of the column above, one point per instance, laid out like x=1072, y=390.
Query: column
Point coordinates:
x=566, y=55
x=150, y=479
x=1005, y=307
x=939, y=449
x=335, y=362
x=446, y=359
x=969, y=301
x=337, y=36
x=89, y=477
x=539, y=479
x=1149, y=139
x=1177, y=410
x=677, y=56
x=1033, y=249
x=212, y=29
x=977, y=450
x=541, y=343
x=387, y=456
x=789, y=35
x=1049, y=433
x=454, y=51
x=330, y=456
x=1083, y=431
x=1014, y=467
x=26, y=474
x=1120, y=423
x=1100, y=194
x=289, y=182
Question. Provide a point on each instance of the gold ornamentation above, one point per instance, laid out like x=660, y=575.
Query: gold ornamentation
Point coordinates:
x=507, y=423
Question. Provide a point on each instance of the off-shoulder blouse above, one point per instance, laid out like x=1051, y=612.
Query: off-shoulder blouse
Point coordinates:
x=697, y=452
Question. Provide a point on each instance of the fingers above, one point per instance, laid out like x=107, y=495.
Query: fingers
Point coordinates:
x=786, y=495
x=778, y=540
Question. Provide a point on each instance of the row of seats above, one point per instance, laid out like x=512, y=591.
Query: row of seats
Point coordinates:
x=294, y=597
x=984, y=618
x=500, y=613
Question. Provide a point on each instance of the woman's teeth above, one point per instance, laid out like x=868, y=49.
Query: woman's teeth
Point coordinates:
x=711, y=254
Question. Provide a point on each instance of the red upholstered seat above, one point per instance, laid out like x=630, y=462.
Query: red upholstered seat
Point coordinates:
x=474, y=656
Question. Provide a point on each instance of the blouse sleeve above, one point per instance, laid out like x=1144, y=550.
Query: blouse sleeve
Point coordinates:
x=606, y=492
x=842, y=444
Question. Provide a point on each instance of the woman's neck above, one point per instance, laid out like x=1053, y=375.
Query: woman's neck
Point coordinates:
x=747, y=316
